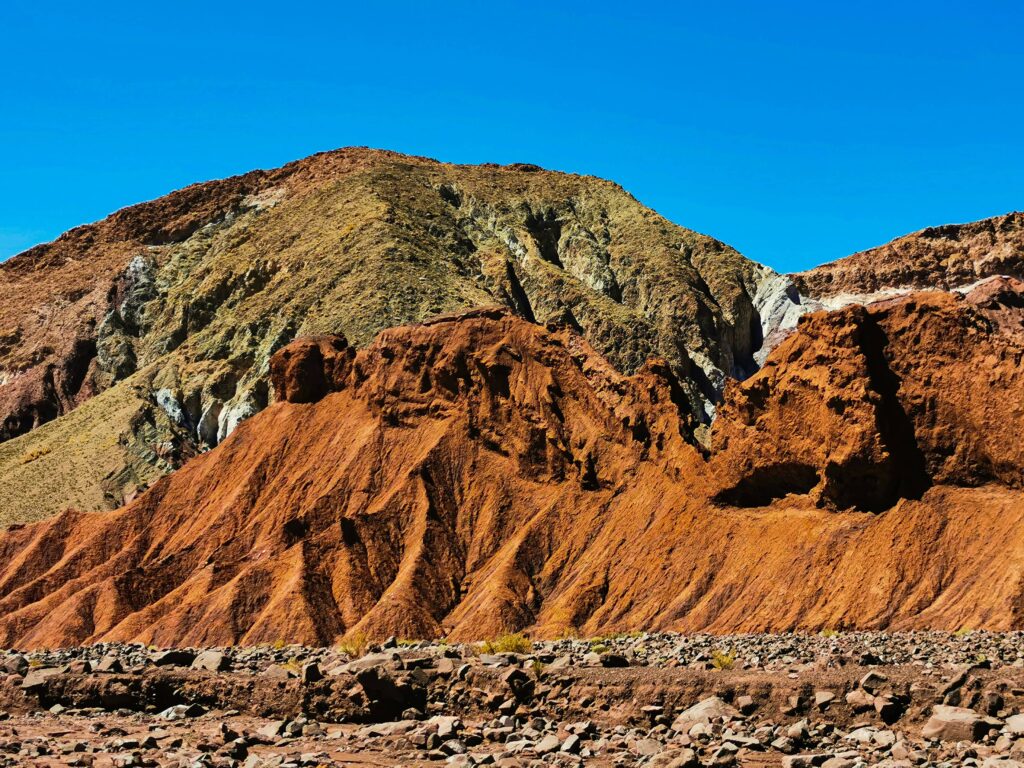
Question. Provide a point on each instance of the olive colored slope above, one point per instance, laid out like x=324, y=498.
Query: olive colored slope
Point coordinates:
x=177, y=305
x=96, y=457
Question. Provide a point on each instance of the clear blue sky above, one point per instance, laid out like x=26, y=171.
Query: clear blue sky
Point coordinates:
x=798, y=132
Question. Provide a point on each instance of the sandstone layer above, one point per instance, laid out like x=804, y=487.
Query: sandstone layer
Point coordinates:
x=479, y=473
x=151, y=331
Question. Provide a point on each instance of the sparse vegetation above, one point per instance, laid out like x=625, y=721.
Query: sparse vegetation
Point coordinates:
x=605, y=639
x=354, y=644
x=723, y=660
x=34, y=454
x=829, y=633
x=514, y=642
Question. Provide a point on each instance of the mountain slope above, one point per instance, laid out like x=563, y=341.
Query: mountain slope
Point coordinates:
x=173, y=308
x=947, y=257
x=479, y=473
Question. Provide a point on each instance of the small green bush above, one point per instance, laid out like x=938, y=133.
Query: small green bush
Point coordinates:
x=723, y=659
x=354, y=644
x=514, y=642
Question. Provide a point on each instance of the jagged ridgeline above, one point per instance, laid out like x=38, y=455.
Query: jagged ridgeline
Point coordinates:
x=130, y=345
x=950, y=257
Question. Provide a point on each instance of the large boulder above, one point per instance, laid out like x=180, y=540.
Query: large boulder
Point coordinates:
x=704, y=712
x=957, y=724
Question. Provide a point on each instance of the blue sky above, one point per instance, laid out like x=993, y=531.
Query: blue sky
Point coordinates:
x=798, y=132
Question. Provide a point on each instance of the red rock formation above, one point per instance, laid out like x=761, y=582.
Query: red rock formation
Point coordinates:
x=479, y=473
x=945, y=257
x=869, y=405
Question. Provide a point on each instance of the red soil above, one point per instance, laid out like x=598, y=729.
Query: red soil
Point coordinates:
x=479, y=473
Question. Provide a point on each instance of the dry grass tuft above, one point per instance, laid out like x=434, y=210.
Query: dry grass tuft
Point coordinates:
x=515, y=642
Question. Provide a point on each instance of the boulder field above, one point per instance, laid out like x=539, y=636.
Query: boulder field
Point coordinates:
x=478, y=473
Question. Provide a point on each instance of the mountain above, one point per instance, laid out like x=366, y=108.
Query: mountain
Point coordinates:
x=955, y=256
x=371, y=393
x=137, y=343
x=479, y=473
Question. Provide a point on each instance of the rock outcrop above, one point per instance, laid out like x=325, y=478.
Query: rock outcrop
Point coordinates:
x=170, y=311
x=954, y=256
x=478, y=473
x=899, y=395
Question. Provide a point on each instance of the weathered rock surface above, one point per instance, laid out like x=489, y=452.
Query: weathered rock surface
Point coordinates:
x=478, y=473
x=706, y=711
x=957, y=724
x=867, y=406
x=130, y=345
x=947, y=257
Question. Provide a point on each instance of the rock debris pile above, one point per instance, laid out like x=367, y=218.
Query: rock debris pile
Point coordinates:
x=834, y=700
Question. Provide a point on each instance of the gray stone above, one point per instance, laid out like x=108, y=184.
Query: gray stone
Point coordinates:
x=447, y=727
x=704, y=712
x=16, y=665
x=860, y=700
x=1015, y=724
x=648, y=747
x=211, y=661
x=571, y=744
x=550, y=743
x=277, y=672
x=872, y=681
x=182, y=712
x=272, y=729
x=111, y=664
x=822, y=699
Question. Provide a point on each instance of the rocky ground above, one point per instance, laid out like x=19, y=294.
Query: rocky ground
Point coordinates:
x=918, y=698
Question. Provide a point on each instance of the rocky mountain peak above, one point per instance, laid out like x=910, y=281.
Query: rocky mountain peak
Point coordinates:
x=154, y=328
